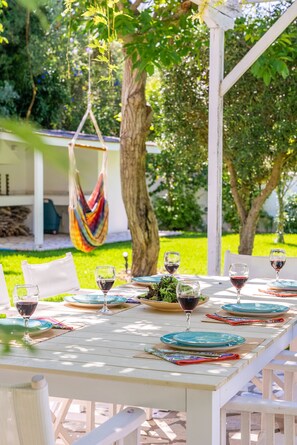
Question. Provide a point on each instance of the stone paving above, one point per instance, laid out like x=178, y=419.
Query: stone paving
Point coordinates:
x=61, y=241
x=169, y=427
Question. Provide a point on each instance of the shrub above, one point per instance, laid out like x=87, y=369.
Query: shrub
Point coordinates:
x=291, y=214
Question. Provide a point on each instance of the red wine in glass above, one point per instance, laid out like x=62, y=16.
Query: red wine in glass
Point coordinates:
x=105, y=285
x=277, y=260
x=239, y=274
x=26, y=299
x=105, y=278
x=26, y=308
x=171, y=267
x=238, y=282
x=277, y=264
x=188, y=303
x=171, y=261
x=188, y=296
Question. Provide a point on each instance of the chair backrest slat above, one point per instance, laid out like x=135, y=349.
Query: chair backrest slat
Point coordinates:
x=54, y=277
x=25, y=417
x=4, y=297
x=260, y=267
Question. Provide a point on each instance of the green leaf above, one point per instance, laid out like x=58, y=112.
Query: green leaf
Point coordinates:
x=150, y=69
x=27, y=133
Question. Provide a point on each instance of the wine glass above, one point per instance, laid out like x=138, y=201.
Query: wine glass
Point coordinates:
x=171, y=261
x=277, y=260
x=25, y=297
x=239, y=274
x=105, y=277
x=188, y=296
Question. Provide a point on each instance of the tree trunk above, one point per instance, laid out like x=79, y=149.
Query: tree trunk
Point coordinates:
x=247, y=234
x=249, y=219
x=136, y=118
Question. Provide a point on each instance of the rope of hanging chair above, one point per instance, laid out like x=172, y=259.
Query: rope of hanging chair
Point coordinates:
x=88, y=218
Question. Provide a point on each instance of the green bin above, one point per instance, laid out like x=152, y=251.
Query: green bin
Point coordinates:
x=51, y=218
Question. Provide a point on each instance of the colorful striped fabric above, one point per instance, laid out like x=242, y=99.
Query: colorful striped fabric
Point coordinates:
x=88, y=219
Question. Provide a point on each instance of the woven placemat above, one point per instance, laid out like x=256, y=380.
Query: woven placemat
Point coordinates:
x=249, y=345
x=292, y=313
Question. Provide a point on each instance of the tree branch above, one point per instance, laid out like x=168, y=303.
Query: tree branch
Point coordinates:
x=34, y=89
x=135, y=5
x=183, y=9
x=271, y=183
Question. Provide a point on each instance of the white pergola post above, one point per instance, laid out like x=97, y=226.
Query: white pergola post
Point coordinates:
x=215, y=150
x=220, y=16
x=38, y=199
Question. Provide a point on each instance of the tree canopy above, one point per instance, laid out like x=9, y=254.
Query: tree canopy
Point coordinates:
x=259, y=116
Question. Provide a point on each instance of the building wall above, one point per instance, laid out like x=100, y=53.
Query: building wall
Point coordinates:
x=21, y=178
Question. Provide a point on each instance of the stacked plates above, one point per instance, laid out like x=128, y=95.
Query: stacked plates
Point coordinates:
x=155, y=279
x=94, y=301
x=146, y=281
x=286, y=285
x=202, y=341
x=35, y=327
x=252, y=309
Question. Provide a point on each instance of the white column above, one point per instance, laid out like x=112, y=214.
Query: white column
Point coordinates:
x=215, y=148
x=38, y=199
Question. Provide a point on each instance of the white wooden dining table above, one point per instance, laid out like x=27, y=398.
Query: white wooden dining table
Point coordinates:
x=104, y=360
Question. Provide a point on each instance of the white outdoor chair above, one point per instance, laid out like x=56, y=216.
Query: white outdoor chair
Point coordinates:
x=25, y=419
x=259, y=266
x=4, y=297
x=54, y=277
x=282, y=371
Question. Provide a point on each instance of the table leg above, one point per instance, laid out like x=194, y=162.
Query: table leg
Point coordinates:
x=203, y=418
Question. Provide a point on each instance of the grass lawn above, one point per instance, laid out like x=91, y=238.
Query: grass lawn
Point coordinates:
x=192, y=247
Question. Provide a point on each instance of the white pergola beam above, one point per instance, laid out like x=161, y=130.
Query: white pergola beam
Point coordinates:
x=259, y=48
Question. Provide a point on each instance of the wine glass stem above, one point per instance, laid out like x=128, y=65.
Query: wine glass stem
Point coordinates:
x=277, y=275
x=188, y=315
x=105, y=301
x=26, y=333
x=238, y=296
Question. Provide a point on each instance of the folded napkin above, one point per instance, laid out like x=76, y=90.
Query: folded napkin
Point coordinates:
x=279, y=293
x=188, y=357
x=234, y=321
x=56, y=323
x=132, y=301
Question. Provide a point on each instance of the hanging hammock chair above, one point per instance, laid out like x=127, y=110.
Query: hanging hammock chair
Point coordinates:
x=88, y=218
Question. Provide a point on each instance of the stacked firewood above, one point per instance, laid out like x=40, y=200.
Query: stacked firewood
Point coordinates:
x=12, y=221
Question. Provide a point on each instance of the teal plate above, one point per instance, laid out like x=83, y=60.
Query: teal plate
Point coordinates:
x=98, y=299
x=155, y=279
x=170, y=340
x=283, y=285
x=256, y=308
x=94, y=301
x=35, y=327
x=205, y=339
x=152, y=279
